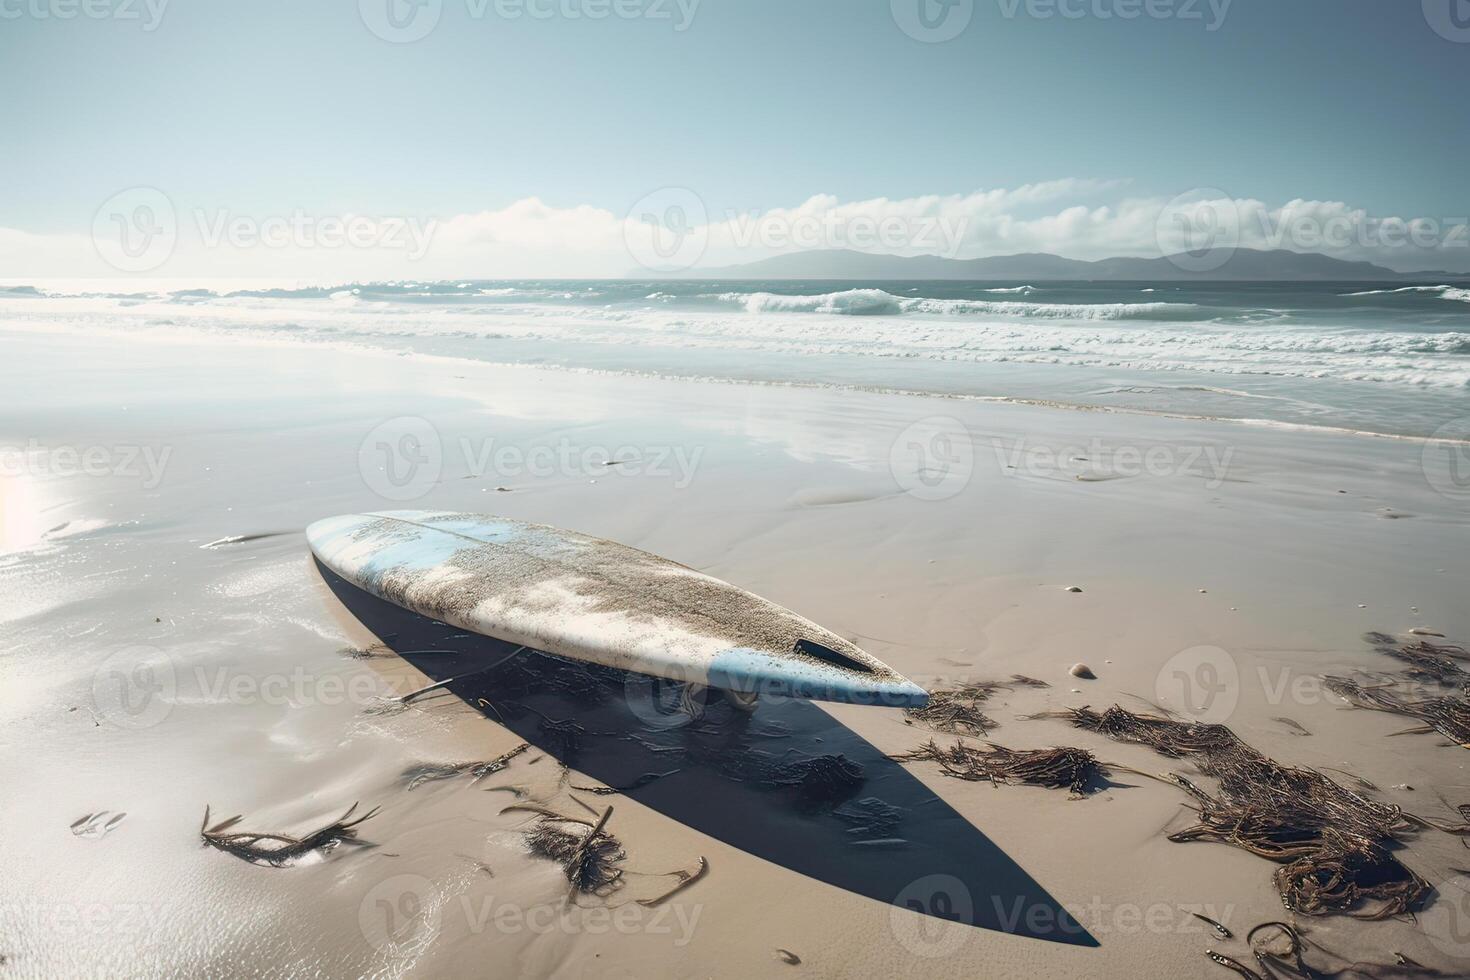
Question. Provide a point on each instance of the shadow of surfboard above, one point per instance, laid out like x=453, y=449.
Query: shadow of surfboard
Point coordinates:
x=788, y=783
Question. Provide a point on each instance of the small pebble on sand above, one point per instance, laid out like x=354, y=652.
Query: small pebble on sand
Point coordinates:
x=1083, y=671
x=1362, y=605
x=1076, y=690
x=1074, y=588
x=1203, y=591
x=1404, y=786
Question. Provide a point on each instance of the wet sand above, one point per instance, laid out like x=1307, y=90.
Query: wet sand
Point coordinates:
x=152, y=667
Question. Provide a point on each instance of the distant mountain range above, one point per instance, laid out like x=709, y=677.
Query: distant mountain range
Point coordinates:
x=1241, y=264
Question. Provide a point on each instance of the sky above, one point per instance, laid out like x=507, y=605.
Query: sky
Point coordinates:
x=498, y=138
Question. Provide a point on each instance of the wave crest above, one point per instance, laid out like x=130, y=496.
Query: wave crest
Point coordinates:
x=877, y=302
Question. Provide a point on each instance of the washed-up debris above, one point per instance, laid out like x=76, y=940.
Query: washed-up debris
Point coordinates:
x=1075, y=769
x=95, y=825
x=430, y=771
x=1279, y=948
x=821, y=779
x=1335, y=846
x=279, y=849
x=957, y=710
x=1428, y=661
x=589, y=858
x=592, y=859
x=1219, y=927
x=787, y=956
x=1291, y=723
x=240, y=539
x=1447, y=714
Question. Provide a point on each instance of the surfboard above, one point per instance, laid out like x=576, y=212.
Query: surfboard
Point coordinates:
x=590, y=599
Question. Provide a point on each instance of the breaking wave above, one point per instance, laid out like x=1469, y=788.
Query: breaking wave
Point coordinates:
x=1457, y=293
x=877, y=302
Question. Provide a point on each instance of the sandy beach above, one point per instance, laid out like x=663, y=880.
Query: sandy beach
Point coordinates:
x=167, y=644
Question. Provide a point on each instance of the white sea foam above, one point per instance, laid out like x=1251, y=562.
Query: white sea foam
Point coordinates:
x=1456, y=293
x=636, y=326
x=877, y=302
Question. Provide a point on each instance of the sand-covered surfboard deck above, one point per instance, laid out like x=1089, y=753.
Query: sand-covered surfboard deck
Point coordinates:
x=595, y=600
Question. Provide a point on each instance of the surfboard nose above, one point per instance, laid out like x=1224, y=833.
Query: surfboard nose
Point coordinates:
x=756, y=672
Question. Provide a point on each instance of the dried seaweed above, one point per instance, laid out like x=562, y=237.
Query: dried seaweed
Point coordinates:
x=590, y=859
x=1075, y=769
x=685, y=879
x=823, y=778
x=1438, y=662
x=1335, y=846
x=956, y=710
x=1285, y=951
x=430, y=771
x=279, y=849
x=1165, y=736
x=1447, y=714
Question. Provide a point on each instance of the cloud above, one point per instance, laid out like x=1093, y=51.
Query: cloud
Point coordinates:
x=674, y=229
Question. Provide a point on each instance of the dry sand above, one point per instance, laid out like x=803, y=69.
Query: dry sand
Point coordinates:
x=145, y=673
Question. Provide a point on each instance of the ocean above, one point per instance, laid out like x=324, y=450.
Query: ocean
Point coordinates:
x=1387, y=358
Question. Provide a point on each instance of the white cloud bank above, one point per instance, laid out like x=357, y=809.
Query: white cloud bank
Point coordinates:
x=143, y=232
